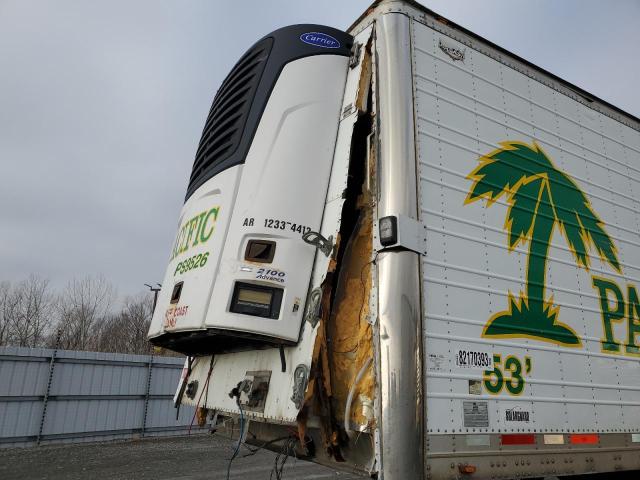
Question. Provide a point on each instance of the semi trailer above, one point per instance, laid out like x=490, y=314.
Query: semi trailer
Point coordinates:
x=407, y=252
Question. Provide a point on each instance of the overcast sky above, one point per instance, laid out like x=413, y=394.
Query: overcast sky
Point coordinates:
x=102, y=104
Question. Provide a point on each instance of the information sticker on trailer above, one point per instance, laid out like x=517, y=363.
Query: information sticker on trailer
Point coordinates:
x=475, y=414
x=436, y=362
x=473, y=359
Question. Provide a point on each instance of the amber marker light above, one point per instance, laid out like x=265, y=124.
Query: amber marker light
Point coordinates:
x=467, y=469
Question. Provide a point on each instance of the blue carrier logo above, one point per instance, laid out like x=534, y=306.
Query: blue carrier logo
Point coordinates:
x=320, y=40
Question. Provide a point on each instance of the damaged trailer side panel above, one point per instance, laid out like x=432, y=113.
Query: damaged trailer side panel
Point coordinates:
x=310, y=390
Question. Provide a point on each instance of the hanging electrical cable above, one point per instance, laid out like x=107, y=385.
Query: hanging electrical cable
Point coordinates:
x=236, y=393
x=286, y=451
x=183, y=384
x=204, y=389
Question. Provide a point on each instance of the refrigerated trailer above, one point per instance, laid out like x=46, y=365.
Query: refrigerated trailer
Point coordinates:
x=407, y=252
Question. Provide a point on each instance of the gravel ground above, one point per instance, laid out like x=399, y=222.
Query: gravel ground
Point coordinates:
x=181, y=458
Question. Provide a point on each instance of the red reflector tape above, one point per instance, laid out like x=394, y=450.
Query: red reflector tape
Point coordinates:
x=518, y=439
x=584, y=439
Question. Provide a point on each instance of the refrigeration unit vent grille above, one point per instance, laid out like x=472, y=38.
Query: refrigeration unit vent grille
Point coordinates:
x=228, y=115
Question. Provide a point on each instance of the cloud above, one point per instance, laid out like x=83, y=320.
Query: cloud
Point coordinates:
x=102, y=106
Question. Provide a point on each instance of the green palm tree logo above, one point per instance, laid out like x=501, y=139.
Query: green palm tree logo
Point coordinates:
x=540, y=196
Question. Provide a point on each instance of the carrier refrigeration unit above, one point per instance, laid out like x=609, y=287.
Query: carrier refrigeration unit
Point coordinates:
x=409, y=253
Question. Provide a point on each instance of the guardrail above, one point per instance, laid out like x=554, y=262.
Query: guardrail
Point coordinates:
x=49, y=396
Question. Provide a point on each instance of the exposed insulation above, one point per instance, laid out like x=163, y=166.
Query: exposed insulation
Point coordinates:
x=318, y=395
x=348, y=331
x=344, y=336
x=201, y=416
x=365, y=80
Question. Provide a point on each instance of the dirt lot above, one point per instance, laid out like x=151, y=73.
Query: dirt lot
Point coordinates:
x=180, y=458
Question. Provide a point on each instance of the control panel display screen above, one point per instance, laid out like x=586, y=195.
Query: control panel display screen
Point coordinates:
x=256, y=300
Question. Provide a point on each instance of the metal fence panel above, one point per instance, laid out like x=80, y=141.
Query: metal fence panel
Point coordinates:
x=86, y=396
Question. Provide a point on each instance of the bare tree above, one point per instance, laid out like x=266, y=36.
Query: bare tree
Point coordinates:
x=137, y=313
x=81, y=308
x=126, y=332
x=26, y=311
x=5, y=308
x=80, y=318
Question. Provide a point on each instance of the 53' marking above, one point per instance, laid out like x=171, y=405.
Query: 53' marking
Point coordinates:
x=508, y=375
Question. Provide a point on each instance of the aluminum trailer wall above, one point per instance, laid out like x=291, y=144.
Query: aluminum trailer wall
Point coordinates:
x=91, y=396
x=531, y=316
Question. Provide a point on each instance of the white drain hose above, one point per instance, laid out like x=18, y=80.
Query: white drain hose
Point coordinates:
x=352, y=390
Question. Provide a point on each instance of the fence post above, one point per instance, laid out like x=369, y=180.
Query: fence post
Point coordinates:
x=45, y=400
x=146, y=396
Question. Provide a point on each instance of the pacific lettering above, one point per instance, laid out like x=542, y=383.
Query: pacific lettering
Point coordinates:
x=200, y=218
x=615, y=309
x=195, y=230
x=211, y=213
x=633, y=315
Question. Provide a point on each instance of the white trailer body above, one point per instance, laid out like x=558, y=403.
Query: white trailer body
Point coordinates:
x=574, y=372
x=468, y=297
